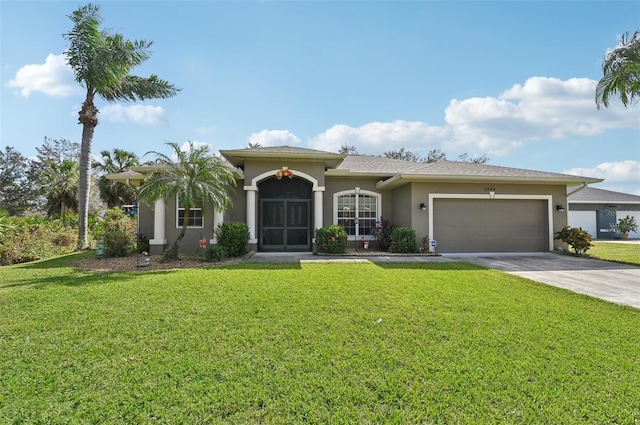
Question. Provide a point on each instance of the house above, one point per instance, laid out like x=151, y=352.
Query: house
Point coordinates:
x=284, y=193
x=595, y=210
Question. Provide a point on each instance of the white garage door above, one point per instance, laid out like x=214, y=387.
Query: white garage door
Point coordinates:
x=474, y=225
x=585, y=220
x=636, y=214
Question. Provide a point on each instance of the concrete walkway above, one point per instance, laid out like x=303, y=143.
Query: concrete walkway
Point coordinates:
x=618, y=283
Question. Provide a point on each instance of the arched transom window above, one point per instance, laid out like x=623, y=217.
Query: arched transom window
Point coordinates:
x=357, y=213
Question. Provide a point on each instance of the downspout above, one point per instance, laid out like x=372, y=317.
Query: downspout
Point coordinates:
x=584, y=186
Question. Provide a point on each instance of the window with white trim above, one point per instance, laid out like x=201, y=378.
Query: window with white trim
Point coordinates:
x=195, y=219
x=365, y=206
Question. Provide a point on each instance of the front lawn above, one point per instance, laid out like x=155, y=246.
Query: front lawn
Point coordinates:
x=621, y=252
x=318, y=343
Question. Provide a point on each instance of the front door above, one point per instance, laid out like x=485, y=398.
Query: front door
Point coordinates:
x=285, y=225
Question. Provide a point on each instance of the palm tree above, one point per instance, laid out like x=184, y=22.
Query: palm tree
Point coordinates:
x=197, y=178
x=102, y=62
x=61, y=186
x=621, y=69
x=111, y=192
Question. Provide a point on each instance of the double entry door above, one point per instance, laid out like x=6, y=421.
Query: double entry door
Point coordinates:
x=285, y=225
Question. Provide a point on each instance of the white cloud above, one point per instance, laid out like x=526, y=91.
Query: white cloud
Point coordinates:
x=378, y=137
x=541, y=109
x=53, y=78
x=140, y=114
x=274, y=138
x=611, y=171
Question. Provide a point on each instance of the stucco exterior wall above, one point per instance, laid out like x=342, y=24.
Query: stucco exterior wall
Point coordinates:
x=339, y=184
x=253, y=168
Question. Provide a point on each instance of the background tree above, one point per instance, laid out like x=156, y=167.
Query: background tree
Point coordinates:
x=51, y=150
x=61, y=188
x=102, y=62
x=197, y=178
x=435, y=155
x=113, y=193
x=17, y=191
x=404, y=154
x=348, y=150
x=477, y=160
x=621, y=69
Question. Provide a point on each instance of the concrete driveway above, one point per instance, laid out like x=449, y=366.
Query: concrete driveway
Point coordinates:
x=618, y=283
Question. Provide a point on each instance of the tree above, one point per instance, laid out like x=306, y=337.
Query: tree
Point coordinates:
x=435, y=155
x=477, y=160
x=57, y=150
x=102, y=62
x=621, y=72
x=17, y=192
x=197, y=178
x=348, y=150
x=404, y=154
x=117, y=161
x=52, y=150
x=61, y=187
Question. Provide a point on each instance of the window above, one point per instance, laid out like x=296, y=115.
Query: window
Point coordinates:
x=365, y=206
x=195, y=218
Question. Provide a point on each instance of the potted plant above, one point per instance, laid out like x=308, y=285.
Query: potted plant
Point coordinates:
x=626, y=225
x=615, y=230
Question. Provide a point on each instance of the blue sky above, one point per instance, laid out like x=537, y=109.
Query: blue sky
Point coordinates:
x=512, y=80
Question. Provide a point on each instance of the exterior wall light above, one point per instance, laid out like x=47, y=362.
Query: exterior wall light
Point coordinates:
x=423, y=207
x=559, y=208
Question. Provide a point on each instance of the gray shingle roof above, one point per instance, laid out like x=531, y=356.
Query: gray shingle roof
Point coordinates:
x=381, y=165
x=291, y=153
x=376, y=165
x=595, y=195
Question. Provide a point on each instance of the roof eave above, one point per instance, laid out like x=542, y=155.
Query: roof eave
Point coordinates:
x=237, y=157
x=401, y=179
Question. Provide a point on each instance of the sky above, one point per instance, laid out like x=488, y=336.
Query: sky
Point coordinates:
x=512, y=80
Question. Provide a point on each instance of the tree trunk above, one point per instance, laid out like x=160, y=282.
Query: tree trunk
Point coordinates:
x=173, y=251
x=88, y=117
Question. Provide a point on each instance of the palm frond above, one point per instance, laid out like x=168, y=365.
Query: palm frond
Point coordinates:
x=621, y=73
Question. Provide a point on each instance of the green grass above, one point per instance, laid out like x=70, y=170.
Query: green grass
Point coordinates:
x=620, y=252
x=289, y=343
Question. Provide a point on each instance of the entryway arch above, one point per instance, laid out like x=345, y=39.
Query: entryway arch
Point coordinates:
x=284, y=214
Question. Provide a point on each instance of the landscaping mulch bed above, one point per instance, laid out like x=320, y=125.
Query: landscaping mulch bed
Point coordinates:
x=130, y=263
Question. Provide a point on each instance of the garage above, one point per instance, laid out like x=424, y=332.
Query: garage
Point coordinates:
x=491, y=225
x=586, y=220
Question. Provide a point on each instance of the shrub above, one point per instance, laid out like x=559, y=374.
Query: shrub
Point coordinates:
x=142, y=243
x=215, y=253
x=24, y=239
x=118, y=243
x=627, y=224
x=234, y=238
x=403, y=240
x=331, y=239
x=576, y=238
x=382, y=233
